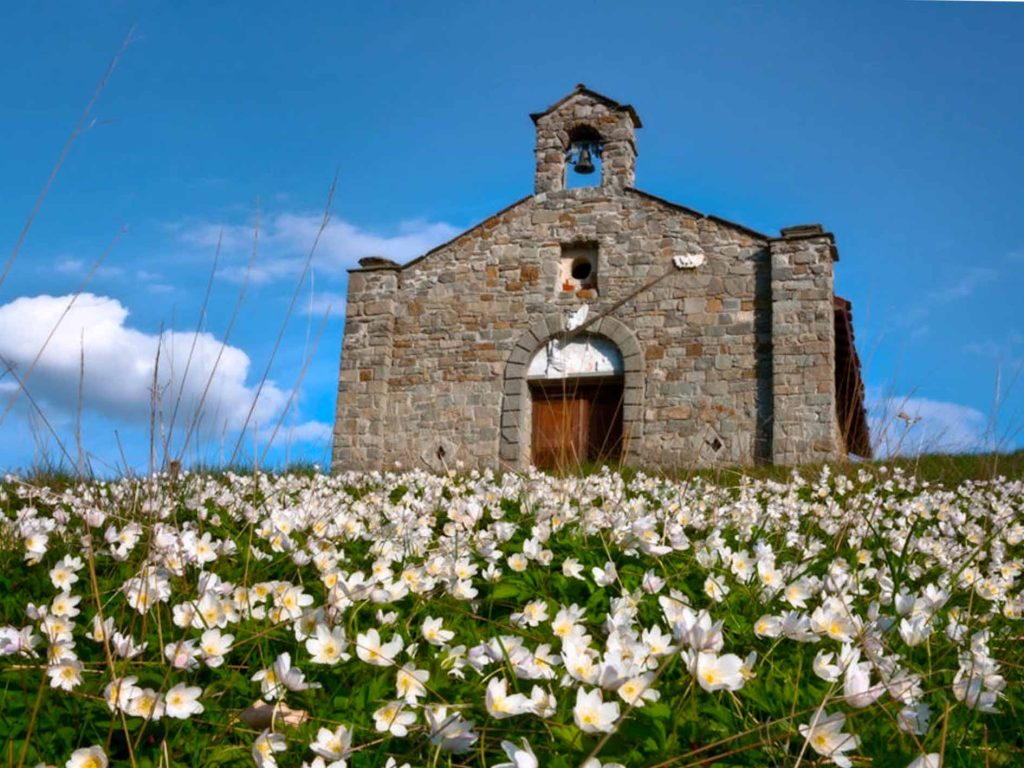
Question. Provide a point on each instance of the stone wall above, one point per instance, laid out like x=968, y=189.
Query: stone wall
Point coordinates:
x=805, y=425
x=361, y=438
x=460, y=311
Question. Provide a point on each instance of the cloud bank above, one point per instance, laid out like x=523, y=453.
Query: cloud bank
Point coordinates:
x=908, y=426
x=119, y=365
x=285, y=240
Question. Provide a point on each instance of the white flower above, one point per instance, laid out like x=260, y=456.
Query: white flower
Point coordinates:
x=66, y=675
x=215, y=646
x=651, y=583
x=500, y=704
x=280, y=676
x=914, y=718
x=825, y=735
x=64, y=574
x=543, y=703
x=433, y=632
x=636, y=690
x=716, y=673
x=145, y=703
x=392, y=718
x=334, y=745
x=521, y=757
x=532, y=615
x=591, y=714
x=768, y=626
x=35, y=547
x=265, y=746
x=87, y=757
x=857, y=683
x=119, y=692
x=182, y=654
x=824, y=668
x=65, y=605
x=370, y=649
x=571, y=568
x=18, y=641
x=932, y=760
x=452, y=733
x=716, y=588
x=328, y=645
x=410, y=683
x=603, y=577
x=182, y=701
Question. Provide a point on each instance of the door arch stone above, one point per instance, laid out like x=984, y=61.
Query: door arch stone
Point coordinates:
x=514, y=437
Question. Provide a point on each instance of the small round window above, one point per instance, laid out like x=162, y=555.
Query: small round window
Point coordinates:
x=582, y=269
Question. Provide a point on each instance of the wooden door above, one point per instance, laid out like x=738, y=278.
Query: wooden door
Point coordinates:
x=560, y=432
x=576, y=424
x=604, y=438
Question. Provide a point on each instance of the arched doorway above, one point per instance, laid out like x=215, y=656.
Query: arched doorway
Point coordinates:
x=576, y=396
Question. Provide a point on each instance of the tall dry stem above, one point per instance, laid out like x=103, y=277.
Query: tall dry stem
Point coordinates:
x=284, y=324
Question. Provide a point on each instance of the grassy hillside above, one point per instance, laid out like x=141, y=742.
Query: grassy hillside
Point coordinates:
x=839, y=617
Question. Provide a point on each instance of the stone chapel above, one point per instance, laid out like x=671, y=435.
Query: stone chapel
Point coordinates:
x=600, y=323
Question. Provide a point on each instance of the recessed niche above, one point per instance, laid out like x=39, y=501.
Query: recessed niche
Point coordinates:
x=579, y=267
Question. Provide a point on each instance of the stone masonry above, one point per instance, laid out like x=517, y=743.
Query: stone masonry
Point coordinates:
x=729, y=362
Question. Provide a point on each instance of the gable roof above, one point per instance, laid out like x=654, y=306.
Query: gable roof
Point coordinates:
x=445, y=244
x=697, y=214
x=581, y=89
x=376, y=265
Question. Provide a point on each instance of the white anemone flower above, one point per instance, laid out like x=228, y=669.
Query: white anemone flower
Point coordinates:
x=215, y=646
x=145, y=703
x=825, y=735
x=327, y=646
x=433, y=631
x=718, y=673
x=572, y=569
x=520, y=757
x=265, y=746
x=67, y=675
x=452, y=733
x=500, y=704
x=333, y=745
x=393, y=718
x=857, y=684
x=824, y=668
x=637, y=690
x=410, y=683
x=182, y=701
x=87, y=757
x=592, y=714
x=370, y=649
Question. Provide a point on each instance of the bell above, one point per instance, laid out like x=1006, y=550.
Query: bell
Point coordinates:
x=583, y=162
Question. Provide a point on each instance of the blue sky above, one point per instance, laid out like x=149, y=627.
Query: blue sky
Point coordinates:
x=897, y=125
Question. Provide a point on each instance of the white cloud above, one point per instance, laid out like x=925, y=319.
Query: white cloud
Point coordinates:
x=323, y=301
x=967, y=283
x=307, y=432
x=285, y=240
x=907, y=426
x=70, y=266
x=119, y=367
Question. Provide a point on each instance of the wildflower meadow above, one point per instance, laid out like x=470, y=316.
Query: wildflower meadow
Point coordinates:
x=413, y=619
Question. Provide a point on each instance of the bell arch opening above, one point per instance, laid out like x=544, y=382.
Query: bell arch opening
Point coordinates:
x=583, y=158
